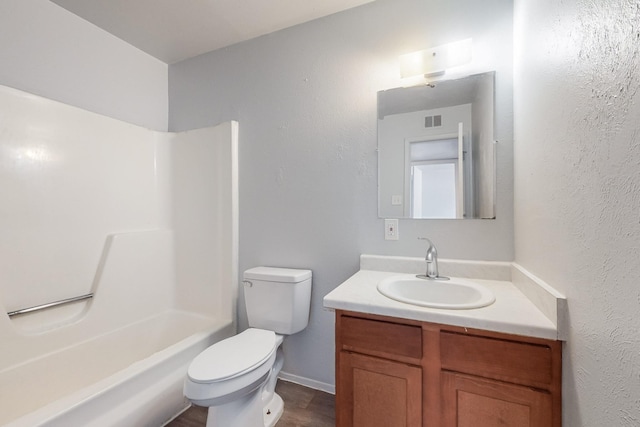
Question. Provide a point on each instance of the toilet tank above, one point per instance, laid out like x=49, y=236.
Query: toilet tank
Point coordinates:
x=277, y=299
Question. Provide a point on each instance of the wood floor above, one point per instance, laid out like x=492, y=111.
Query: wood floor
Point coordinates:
x=303, y=407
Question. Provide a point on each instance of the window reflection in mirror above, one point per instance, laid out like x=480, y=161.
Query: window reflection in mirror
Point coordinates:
x=436, y=150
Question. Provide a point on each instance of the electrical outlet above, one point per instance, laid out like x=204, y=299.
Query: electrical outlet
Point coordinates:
x=391, y=229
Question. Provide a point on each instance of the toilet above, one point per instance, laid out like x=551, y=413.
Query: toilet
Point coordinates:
x=236, y=377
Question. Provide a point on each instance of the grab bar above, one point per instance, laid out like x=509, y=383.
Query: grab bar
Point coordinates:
x=49, y=305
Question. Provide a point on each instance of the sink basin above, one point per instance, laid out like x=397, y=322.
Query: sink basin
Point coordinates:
x=456, y=294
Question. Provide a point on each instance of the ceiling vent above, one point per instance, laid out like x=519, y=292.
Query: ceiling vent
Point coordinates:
x=433, y=121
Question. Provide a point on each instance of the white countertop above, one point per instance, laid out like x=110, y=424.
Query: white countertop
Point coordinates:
x=512, y=312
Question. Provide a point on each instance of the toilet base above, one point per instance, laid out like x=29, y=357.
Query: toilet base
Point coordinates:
x=245, y=411
x=273, y=410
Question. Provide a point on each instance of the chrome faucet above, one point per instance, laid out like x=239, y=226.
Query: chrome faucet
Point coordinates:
x=432, y=262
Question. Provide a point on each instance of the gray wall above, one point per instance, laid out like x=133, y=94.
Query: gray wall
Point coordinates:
x=577, y=187
x=305, y=99
x=48, y=51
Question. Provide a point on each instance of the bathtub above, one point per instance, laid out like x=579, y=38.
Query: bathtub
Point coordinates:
x=132, y=376
x=119, y=358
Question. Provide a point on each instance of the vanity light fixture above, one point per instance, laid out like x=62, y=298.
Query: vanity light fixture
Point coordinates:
x=435, y=61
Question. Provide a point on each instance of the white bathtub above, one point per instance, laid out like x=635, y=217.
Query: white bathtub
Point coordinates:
x=119, y=358
x=132, y=376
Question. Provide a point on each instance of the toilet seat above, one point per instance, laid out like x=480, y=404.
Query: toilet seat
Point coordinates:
x=233, y=356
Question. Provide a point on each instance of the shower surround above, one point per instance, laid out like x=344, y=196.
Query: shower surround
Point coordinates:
x=144, y=221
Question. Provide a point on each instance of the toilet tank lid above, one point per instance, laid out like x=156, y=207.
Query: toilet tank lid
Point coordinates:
x=277, y=274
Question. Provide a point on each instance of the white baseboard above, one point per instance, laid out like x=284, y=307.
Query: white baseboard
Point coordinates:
x=307, y=382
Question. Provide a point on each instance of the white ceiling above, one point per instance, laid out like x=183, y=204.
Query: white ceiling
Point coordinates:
x=173, y=30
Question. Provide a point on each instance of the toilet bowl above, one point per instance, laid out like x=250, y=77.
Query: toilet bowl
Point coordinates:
x=225, y=377
x=236, y=377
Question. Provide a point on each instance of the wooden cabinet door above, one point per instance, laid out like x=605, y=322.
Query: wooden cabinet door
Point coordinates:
x=373, y=392
x=477, y=402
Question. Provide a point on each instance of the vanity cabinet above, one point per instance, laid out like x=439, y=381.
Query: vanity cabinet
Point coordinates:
x=380, y=373
x=469, y=401
x=396, y=372
x=381, y=392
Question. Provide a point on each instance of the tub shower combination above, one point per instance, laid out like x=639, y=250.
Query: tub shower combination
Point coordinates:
x=118, y=263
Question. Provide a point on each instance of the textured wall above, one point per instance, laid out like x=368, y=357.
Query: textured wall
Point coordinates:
x=305, y=99
x=48, y=51
x=577, y=190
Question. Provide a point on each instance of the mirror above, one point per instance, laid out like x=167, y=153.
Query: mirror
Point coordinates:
x=436, y=152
